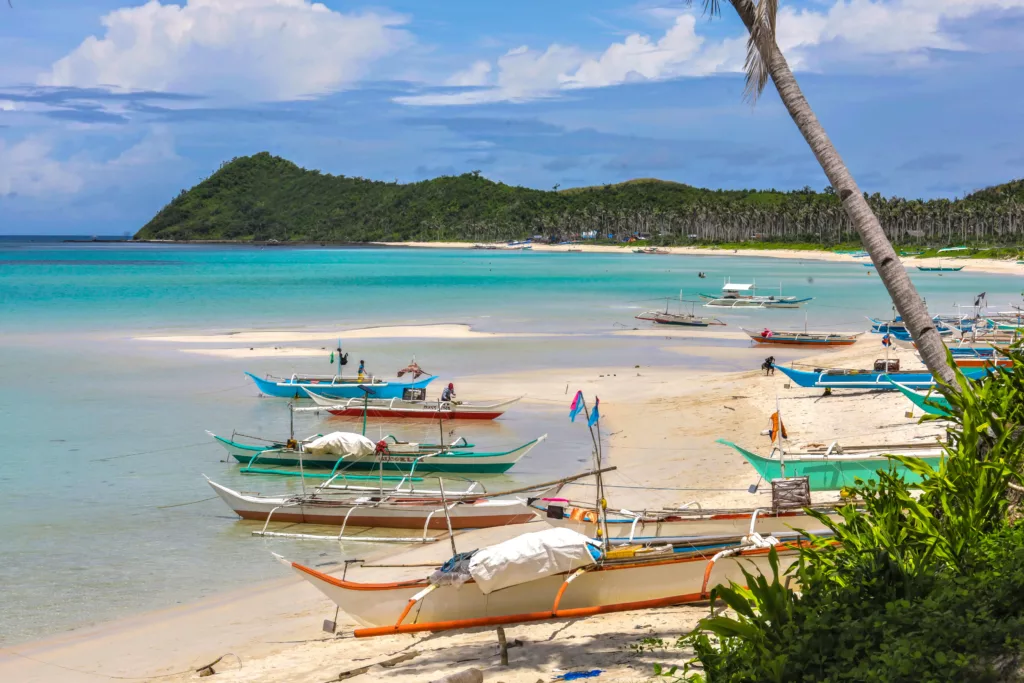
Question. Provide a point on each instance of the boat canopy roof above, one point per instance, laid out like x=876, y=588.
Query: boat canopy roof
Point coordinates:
x=733, y=287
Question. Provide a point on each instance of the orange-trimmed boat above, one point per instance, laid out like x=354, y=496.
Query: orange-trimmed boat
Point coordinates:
x=615, y=580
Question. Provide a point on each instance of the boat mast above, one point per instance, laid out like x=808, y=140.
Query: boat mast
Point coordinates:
x=782, y=451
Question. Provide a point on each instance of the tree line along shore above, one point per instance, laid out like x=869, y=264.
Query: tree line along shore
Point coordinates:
x=266, y=198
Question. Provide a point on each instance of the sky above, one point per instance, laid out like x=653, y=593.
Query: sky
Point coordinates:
x=109, y=108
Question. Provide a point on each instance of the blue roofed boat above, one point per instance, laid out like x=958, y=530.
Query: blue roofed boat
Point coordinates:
x=333, y=386
x=867, y=379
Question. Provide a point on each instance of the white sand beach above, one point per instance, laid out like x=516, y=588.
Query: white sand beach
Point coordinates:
x=983, y=265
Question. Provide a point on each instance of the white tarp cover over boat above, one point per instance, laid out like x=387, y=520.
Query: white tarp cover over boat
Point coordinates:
x=530, y=557
x=341, y=444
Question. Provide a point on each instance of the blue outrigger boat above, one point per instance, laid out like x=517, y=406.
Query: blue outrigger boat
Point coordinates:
x=867, y=379
x=333, y=386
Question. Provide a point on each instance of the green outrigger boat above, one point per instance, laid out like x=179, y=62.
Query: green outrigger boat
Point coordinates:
x=932, y=403
x=833, y=469
x=391, y=455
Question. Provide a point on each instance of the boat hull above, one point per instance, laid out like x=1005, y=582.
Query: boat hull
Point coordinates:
x=675, y=580
x=452, y=461
x=866, y=379
x=409, y=513
x=803, y=339
x=733, y=523
x=832, y=473
x=418, y=413
x=289, y=389
x=424, y=410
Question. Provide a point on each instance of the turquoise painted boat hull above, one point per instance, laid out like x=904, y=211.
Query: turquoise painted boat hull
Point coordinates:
x=869, y=379
x=935, y=404
x=830, y=474
x=290, y=389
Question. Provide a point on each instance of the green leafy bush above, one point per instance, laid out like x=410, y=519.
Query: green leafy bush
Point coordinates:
x=926, y=587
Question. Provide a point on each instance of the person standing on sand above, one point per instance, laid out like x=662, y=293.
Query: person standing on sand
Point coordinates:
x=448, y=393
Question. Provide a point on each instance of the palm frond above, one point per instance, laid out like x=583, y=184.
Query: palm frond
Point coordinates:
x=712, y=8
x=759, y=48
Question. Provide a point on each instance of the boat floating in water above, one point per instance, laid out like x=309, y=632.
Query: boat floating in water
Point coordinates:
x=735, y=295
x=335, y=386
x=681, y=318
x=398, y=408
x=354, y=452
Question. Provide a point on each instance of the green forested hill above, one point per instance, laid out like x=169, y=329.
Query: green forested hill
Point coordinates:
x=264, y=197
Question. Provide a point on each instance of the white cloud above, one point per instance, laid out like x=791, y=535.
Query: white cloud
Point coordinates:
x=477, y=74
x=258, y=49
x=26, y=168
x=903, y=30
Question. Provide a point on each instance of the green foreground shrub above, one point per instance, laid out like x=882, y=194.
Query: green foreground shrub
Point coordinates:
x=910, y=587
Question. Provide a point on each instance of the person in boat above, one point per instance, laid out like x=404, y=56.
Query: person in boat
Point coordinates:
x=448, y=393
x=766, y=333
x=362, y=371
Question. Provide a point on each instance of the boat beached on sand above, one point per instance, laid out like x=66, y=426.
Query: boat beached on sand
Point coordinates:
x=419, y=409
x=793, y=338
x=835, y=467
x=835, y=378
x=550, y=574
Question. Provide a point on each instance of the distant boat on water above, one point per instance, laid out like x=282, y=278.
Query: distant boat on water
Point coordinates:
x=940, y=269
x=681, y=318
x=736, y=295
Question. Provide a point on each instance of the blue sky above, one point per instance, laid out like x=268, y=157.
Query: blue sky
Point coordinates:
x=108, y=108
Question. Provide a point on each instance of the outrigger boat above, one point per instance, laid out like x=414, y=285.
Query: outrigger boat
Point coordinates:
x=690, y=521
x=932, y=403
x=735, y=295
x=835, y=378
x=528, y=579
x=334, y=386
x=390, y=509
x=835, y=467
x=244, y=452
x=937, y=269
x=399, y=408
x=359, y=453
x=650, y=250
x=802, y=338
x=680, y=318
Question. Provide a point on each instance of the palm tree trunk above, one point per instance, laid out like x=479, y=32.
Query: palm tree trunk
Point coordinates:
x=894, y=275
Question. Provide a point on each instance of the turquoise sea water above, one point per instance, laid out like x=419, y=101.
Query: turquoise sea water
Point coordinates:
x=105, y=435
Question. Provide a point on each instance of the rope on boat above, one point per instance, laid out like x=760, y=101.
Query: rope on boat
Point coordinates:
x=159, y=450
x=178, y=505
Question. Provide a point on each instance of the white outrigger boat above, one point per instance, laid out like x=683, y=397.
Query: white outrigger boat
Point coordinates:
x=735, y=295
x=399, y=408
x=551, y=574
x=371, y=508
